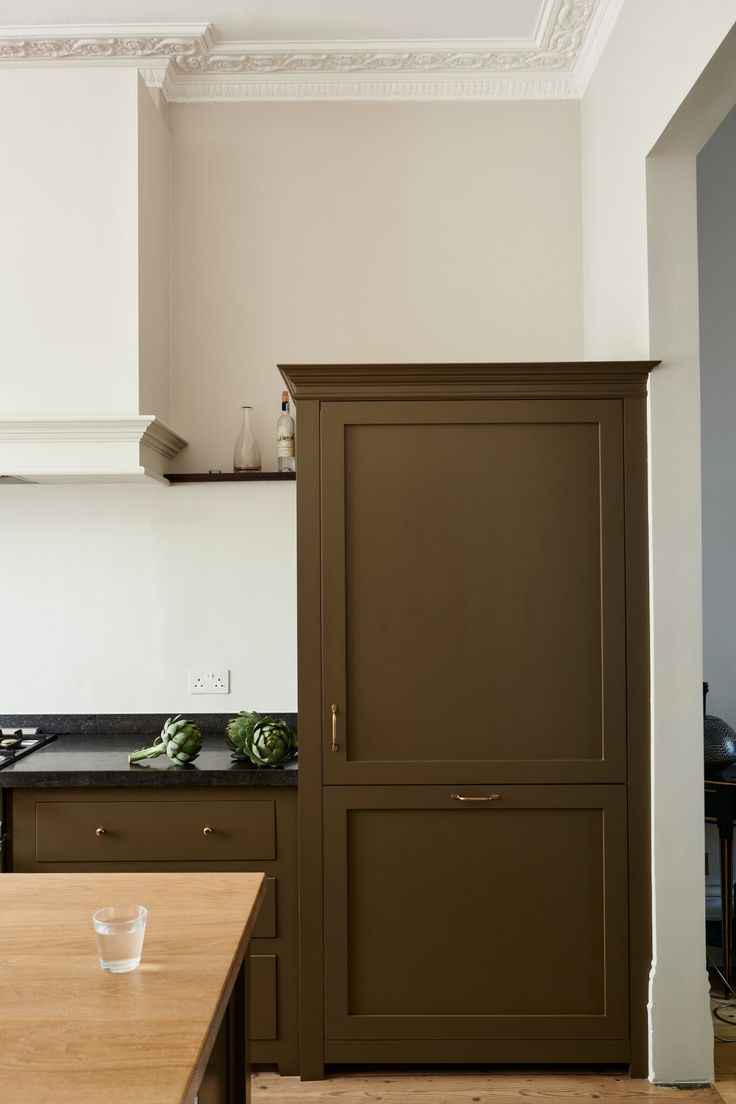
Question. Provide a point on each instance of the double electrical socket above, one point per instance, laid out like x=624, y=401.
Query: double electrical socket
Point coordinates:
x=214, y=681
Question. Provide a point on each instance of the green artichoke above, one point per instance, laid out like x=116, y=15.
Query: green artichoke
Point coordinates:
x=266, y=741
x=180, y=739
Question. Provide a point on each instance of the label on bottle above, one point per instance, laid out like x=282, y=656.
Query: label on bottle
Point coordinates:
x=285, y=443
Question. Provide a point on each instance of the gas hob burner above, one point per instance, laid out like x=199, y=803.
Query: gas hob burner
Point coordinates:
x=17, y=742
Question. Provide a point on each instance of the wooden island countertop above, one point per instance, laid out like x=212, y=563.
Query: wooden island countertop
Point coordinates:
x=72, y=1032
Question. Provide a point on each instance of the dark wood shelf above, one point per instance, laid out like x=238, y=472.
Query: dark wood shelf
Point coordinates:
x=231, y=477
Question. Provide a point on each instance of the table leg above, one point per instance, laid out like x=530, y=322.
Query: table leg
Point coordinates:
x=227, y=1077
x=725, y=817
x=239, y=1037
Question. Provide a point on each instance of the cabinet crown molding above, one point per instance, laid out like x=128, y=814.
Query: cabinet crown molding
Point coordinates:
x=467, y=381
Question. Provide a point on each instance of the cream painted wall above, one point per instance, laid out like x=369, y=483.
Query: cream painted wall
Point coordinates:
x=111, y=593
x=656, y=53
x=154, y=246
x=68, y=242
x=640, y=279
x=381, y=232
x=299, y=232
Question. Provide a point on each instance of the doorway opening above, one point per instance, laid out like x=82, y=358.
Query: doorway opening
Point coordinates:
x=678, y=538
x=716, y=196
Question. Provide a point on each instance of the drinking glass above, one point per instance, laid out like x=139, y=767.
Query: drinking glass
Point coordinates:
x=119, y=930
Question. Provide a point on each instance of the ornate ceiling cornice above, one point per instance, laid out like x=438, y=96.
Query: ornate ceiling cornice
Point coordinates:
x=101, y=46
x=189, y=64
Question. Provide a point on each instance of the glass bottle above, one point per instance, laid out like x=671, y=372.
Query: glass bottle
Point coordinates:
x=285, y=437
x=247, y=455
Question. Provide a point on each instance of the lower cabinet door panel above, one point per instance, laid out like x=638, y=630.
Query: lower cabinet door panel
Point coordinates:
x=263, y=998
x=500, y=919
x=265, y=925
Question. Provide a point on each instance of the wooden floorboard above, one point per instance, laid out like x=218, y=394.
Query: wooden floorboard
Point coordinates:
x=502, y=1086
x=726, y=1072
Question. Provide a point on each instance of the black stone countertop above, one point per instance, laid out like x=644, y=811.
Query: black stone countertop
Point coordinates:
x=101, y=759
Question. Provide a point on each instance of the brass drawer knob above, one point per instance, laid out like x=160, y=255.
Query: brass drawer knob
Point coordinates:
x=207, y=831
x=99, y=831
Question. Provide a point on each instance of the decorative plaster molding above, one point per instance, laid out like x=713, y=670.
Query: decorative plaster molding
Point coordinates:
x=405, y=88
x=103, y=42
x=556, y=52
x=595, y=40
x=188, y=64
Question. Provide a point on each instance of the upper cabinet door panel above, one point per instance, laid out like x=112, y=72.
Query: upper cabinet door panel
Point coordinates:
x=473, y=591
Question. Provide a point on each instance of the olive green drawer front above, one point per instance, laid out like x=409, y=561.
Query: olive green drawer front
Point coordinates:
x=157, y=831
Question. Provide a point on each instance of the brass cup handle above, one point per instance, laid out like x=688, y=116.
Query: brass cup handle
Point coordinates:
x=334, y=728
x=99, y=831
x=207, y=831
x=463, y=797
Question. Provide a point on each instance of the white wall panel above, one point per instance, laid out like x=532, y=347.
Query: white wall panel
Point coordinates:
x=111, y=593
x=68, y=242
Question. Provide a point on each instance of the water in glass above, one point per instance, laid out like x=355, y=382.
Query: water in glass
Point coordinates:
x=119, y=930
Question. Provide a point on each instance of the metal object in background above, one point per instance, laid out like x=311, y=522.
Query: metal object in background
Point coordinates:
x=17, y=742
x=719, y=741
x=14, y=744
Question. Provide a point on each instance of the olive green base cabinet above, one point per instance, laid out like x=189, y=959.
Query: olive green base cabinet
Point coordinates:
x=158, y=830
x=473, y=688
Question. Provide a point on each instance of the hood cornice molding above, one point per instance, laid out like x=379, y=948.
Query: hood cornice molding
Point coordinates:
x=189, y=64
x=80, y=450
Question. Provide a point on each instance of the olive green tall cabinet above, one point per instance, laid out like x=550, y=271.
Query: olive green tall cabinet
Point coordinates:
x=473, y=712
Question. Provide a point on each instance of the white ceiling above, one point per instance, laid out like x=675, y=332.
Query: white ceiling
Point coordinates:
x=322, y=49
x=254, y=20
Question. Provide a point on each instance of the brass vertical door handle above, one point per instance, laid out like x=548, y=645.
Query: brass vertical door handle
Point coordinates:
x=334, y=728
